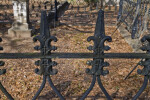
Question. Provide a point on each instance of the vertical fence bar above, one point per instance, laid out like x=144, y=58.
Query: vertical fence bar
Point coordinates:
x=98, y=64
x=56, y=4
x=89, y=89
x=46, y=64
x=135, y=21
x=3, y=71
x=54, y=88
x=120, y=10
x=142, y=88
x=146, y=64
x=40, y=89
x=5, y=92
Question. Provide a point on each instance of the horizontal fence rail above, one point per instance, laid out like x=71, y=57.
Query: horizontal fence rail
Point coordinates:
x=74, y=55
x=98, y=56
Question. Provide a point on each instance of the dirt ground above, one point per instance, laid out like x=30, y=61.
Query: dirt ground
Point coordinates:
x=72, y=81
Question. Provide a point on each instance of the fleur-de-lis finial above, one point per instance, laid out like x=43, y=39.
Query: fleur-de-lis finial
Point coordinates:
x=146, y=64
x=99, y=38
x=45, y=47
x=98, y=63
x=46, y=64
x=146, y=47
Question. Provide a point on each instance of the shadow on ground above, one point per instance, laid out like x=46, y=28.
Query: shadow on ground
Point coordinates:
x=62, y=87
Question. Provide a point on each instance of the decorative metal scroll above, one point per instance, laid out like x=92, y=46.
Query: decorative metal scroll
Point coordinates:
x=46, y=65
x=146, y=64
x=98, y=64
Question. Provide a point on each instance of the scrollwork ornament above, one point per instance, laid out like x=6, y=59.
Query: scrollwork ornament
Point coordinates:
x=146, y=66
x=46, y=64
x=98, y=49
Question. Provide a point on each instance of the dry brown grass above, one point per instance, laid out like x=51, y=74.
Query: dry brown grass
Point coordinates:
x=21, y=81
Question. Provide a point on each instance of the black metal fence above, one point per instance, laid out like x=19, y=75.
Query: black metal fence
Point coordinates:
x=81, y=10
x=135, y=16
x=83, y=13
x=98, y=63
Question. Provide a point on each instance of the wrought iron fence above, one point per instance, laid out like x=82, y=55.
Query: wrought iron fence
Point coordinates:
x=77, y=12
x=86, y=12
x=98, y=64
x=135, y=16
x=78, y=9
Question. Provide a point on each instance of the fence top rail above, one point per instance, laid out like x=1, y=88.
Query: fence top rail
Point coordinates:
x=73, y=55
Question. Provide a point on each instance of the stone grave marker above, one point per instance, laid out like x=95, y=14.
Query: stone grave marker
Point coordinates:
x=20, y=27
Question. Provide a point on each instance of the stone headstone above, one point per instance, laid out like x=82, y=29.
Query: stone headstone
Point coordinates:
x=20, y=27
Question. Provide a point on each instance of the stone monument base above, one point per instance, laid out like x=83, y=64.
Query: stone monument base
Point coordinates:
x=19, y=30
x=19, y=33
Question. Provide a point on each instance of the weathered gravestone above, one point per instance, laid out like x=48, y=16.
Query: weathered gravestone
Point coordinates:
x=20, y=27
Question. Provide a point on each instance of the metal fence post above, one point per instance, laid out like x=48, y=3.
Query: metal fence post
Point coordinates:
x=98, y=64
x=46, y=64
x=56, y=4
x=120, y=10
